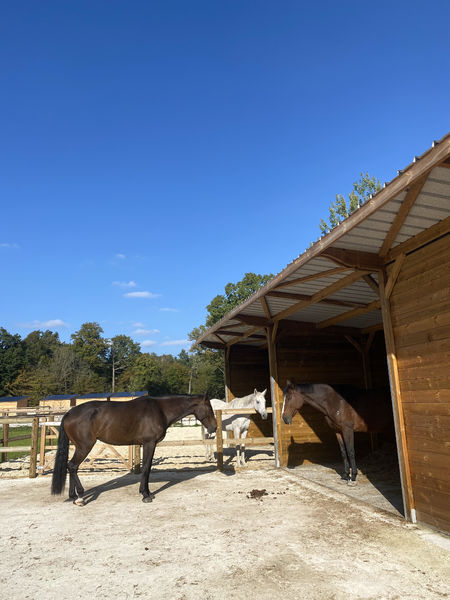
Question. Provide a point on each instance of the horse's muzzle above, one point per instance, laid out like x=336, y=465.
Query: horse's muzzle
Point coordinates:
x=287, y=419
x=212, y=429
x=264, y=415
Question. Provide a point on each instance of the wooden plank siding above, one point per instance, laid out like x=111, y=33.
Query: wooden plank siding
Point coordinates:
x=420, y=311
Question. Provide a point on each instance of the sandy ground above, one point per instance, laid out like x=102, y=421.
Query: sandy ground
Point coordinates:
x=206, y=536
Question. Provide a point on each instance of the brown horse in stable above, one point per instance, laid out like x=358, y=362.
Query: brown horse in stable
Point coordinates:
x=346, y=410
x=142, y=421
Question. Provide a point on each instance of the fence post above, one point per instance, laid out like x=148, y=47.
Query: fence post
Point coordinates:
x=5, y=439
x=34, y=447
x=42, y=448
x=137, y=459
x=219, y=440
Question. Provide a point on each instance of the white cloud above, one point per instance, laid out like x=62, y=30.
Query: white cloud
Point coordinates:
x=175, y=343
x=138, y=324
x=50, y=324
x=141, y=295
x=121, y=256
x=169, y=310
x=142, y=331
x=148, y=343
x=6, y=245
x=124, y=284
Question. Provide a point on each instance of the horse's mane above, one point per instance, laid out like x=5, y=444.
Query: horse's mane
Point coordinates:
x=244, y=402
x=305, y=388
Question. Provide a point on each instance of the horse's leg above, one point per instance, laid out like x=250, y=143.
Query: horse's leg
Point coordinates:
x=349, y=440
x=237, y=434
x=149, y=451
x=243, y=435
x=76, y=490
x=340, y=440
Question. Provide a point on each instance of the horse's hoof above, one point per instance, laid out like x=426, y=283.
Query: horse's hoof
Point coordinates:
x=147, y=499
x=351, y=483
x=79, y=502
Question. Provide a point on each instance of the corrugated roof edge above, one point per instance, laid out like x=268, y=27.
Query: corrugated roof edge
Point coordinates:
x=431, y=157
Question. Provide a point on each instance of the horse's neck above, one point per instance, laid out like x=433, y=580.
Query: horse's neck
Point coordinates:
x=174, y=411
x=243, y=402
x=316, y=400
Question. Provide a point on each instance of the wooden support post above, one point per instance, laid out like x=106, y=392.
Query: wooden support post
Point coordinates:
x=137, y=460
x=130, y=458
x=5, y=439
x=275, y=392
x=219, y=440
x=34, y=447
x=42, y=448
x=397, y=408
x=228, y=393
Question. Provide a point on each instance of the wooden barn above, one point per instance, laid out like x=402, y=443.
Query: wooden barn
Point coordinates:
x=92, y=396
x=125, y=396
x=9, y=403
x=58, y=402
x=368, y=305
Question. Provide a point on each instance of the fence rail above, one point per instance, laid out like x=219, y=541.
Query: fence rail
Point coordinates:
x=48, y=423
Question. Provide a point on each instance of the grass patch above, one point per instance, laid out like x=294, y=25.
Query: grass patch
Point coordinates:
x=23, y=430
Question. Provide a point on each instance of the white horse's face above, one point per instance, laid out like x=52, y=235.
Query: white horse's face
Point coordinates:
x=259, y=402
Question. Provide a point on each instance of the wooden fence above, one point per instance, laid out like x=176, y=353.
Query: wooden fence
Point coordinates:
x=44, y=429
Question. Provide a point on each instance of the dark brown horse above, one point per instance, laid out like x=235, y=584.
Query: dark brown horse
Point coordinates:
x=346, y=410
x=142, y=421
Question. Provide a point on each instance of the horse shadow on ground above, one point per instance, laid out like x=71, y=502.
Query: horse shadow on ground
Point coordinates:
x=169, y=478
x=379, y=466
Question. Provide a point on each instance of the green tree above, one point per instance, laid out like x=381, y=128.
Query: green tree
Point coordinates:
x=89, y=344
x=121, y=354
x=235, y=293
x=11, y=359
x=341, y=208
x=38, y=346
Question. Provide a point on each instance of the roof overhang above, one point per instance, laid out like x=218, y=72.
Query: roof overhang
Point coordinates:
x=333, y=286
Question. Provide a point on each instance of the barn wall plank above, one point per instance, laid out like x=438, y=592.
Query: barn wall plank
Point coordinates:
x=420, y=307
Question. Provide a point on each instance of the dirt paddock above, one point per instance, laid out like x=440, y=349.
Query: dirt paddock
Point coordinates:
x=211, y=535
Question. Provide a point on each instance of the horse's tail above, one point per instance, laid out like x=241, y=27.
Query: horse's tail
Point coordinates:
x=62, y=456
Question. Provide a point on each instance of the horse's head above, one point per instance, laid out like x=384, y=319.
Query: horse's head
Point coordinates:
x=259, y=402
x=204, y=413
x=293, y=401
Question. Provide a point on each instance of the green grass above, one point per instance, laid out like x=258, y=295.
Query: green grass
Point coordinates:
x=14, y=432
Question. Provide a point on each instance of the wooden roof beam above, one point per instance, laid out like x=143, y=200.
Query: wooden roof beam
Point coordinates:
x=424, y=237
x=244, y=336
x=320, y=295
x=311, y=277
x=354, y=259
x=290, y=296
x=402, y=213
x=350, y=314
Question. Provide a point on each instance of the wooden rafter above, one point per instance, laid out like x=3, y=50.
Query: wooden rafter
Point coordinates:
x=306, y=278
x=291, y=296
x=320, y=295
x=349, y=314
x=422, y=238
x=354, y=259
x=266, y=307
x=243, y=336
x=402, y=213
x=371, y=282
x=393, y=275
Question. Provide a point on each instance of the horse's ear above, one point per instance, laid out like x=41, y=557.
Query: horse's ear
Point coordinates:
x=264, y=392
x=255, y=391
x=289, y=383
x=206, y=395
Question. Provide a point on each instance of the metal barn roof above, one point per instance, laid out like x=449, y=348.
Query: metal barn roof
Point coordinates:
x=335, y=282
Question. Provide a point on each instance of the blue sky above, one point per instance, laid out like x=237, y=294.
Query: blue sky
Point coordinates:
x=151, y=152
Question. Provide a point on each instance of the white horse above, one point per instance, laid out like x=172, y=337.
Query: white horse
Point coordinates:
x=238, y=424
